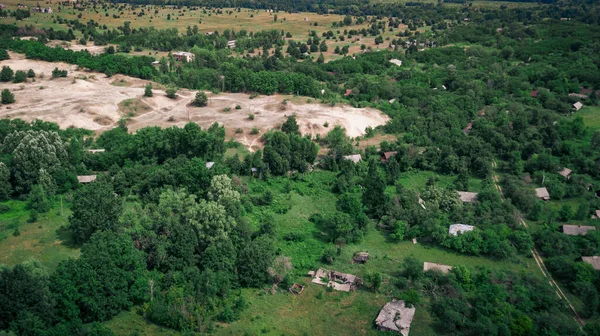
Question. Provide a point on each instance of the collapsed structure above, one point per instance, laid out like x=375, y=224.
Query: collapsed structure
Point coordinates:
x=336, y=280
x=395, y=316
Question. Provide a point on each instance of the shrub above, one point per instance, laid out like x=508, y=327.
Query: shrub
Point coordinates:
x=20, y=76
x=171, y=92
x=148, y=90
x=227, y=109
x=201, y=99
x=59, y=73
x=326, y=124
x=7, y=97
x=250, y=116
x=6, y=74
x=254, y=131
x=239, y=131
x=238, y=107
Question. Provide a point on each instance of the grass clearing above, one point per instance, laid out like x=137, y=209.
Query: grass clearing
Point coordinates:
x=133, y=107
x=45, y=240
x=590, y=115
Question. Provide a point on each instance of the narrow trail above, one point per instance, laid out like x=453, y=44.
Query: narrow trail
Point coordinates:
x=538, y=259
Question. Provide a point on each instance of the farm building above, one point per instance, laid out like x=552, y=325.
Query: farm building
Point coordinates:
x=594, y=261
x=577, y=230
x=597, y=215
x=455, y=229
x=395, y=316
x=86, y=178
x=542, y=193
x=354, y=158
x=209, y=165
x=348, y=92
x=565, y=172
x=336, y=280
x=385, y=156
x=296, y=289
x=578, y=95
x=93, y=151
x=184, y=56
x=427, y=266
x=231, y=44
x=42, y=10
x=361, y=257
x=577, y=106
x=467, y=197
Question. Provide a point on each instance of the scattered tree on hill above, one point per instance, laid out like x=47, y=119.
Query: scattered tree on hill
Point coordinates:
x=20, y=76
x=5, y=186
x=201, y=99
x=171, y=92
x=6, y=74
x=148, y=90
x=7, y=97
x=30, y=73
x=290, y=126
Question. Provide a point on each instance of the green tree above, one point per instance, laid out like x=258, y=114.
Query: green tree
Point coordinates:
x=5, y=186
x=321, y=59
x=38, y=199
x=6, y=74
x=7, y=97
x=171, y=92
x=30, y=73
x=201, y=99
x=96, y=207
x=277, y=153
x=20, y=76
x=374, y=197
x=290, y=126
x=148, y=90
x=254, y=261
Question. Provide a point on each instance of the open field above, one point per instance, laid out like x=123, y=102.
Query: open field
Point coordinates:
x=96, y=102
x=43, y=240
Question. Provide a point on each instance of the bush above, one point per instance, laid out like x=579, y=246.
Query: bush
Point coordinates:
x=7, y=97
x=227, y=109
x=6, y=75
x=33, y=217
x=329, y=255
x=20, y=76
x=59, y=73
x=201, y=99
x=254, y=131
x=238, y=107
x=171, y=92
x=250, y=116
x=239, y=131
x=148, y=90
x=31, y=73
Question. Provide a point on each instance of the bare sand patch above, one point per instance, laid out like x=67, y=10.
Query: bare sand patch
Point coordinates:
x=97, y=104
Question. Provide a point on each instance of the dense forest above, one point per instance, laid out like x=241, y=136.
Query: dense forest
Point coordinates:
x=176, y=229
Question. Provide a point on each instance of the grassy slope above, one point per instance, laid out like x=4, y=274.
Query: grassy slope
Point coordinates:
x=43, y=240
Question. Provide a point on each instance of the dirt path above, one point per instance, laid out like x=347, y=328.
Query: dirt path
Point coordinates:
x=539, y=261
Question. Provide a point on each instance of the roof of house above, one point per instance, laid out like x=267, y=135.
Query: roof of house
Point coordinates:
x=361, y=256
x=396, y=61
x=182, y=53
x=468, y=129
x=336, y=280
x=467, y=196
x=427, y=266
x=578, y=95
x=86, y=178
x=594, y=261
x=354, y=158
x=577, y=230
x=533, y=93
x=565, y=172
x=598, y=213
x=460, y=228
x=542, y=193
x=395, y=316
x=577, y=106
x=96, y=150
x=210, y=164
x=348, y=92
x=388, y=155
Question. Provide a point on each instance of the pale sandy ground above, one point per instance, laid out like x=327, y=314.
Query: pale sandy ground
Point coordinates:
x=93, y=104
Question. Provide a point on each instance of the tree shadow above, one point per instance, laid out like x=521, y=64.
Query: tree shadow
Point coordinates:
x=65, y=235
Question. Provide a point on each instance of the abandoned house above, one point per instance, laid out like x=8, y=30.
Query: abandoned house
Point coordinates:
x=296, y=289
x=594, y=261
x=577, y=106
x=361, y=257
x=336, y=280
x=209, y=164
x=565, y=172
x=395, y=316
x=577, y=230
x=184, y=56
x=86, y=178
x=427, y=266
x=467, y=197
x=542, y=193
x=385, y=156
x=354, y=158
x=93, y=151
x=455, y=229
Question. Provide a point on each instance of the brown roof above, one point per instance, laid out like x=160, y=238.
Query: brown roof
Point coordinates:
x=565, y=172
x=577, y=230
x=395, y=316
x=468, y=129
x=533, y=94
x=468, y=197
x=542, y=193
x=594, y=261
x=387, y=155
x=348, y=92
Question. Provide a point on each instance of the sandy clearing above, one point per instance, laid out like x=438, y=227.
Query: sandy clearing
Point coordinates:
x=93, y=104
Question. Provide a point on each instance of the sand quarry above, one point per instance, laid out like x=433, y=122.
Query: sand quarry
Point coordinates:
x=91, y=100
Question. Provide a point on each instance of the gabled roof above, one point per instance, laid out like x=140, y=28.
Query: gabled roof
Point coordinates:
x=209, y=164
x=348, y=92
x=565, y=172
x=455, y=229
x=577, y=106
x=354, y=158
x=385, y=156
x=577, y=230
x=427, y=266
x=542, y=193
x=396, y=62
x=468, y=197
x=594, y=261
x=86, y=178
x=95, y=150
x=395, y=316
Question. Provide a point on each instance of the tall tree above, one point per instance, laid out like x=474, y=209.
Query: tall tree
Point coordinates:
x=96, y=207
x=374, y=197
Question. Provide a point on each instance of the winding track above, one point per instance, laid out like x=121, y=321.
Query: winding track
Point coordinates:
x=539, y=261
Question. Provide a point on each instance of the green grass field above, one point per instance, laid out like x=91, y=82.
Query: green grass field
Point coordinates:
x=45, y=240
x=590, y=115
